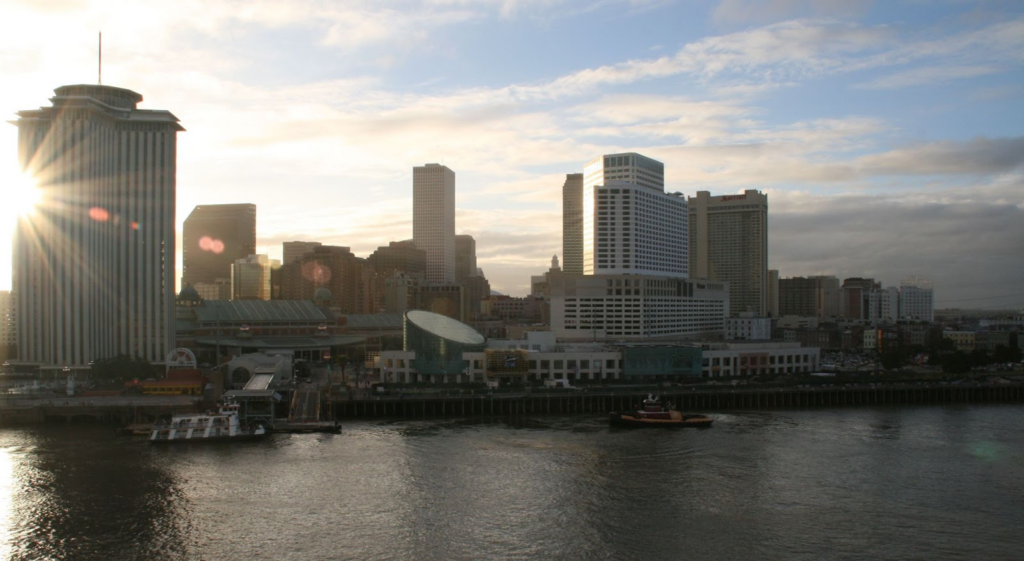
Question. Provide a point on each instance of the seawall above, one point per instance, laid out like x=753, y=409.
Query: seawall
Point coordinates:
x=603, y=401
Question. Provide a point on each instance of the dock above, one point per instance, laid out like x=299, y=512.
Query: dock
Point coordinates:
x=604, y=400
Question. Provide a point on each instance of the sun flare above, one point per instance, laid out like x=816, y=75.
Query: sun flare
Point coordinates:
x=23, y=196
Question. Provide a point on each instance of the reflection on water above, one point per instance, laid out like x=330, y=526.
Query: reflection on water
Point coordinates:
x=76, y=491
x=929, y=482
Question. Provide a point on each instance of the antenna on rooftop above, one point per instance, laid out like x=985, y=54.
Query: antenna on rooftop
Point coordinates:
x=100, y=80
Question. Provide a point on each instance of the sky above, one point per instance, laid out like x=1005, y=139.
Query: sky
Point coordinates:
x=889, y=135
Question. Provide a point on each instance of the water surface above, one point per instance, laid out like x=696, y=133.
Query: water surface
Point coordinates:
x=942, y=482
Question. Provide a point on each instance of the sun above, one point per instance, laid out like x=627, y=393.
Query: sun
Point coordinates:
x=20, y=196
x=23, y=196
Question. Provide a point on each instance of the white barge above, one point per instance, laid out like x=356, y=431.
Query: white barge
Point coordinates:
x=201, y=427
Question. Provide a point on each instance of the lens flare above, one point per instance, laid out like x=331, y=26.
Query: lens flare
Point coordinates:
x=99, y=214
x=316, y=273
x=206, y=243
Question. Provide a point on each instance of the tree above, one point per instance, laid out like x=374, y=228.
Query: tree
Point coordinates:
x=956, y=363
x=892, y=358
x=1003, y=353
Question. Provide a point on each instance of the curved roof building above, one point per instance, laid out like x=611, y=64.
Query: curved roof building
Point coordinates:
x=438, y=342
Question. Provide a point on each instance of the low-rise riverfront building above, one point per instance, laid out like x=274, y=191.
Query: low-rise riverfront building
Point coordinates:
x=539, y=358
x=232, y=328
x=762, y=358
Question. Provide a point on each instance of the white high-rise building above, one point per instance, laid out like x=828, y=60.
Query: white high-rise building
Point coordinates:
x=433, y=219
x=917, y=299
x=729, y=242
x=94, y=264
x=630, y=225
x=881, y=305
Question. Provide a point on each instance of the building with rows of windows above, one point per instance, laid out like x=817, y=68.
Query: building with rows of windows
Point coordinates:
x=629, y=224
x=729, y=242
x=433, y=219
x=602, y=363
x=623, y=307
x=94, y=263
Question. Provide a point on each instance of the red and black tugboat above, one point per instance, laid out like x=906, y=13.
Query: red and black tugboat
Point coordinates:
x=652, y=414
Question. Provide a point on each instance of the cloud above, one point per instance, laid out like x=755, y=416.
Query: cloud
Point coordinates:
x=928, y=75
x=344, y=146
x=764, y=11
x=890, y=236
x=977, y=156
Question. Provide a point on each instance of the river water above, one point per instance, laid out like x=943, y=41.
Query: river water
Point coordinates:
x=942, y=482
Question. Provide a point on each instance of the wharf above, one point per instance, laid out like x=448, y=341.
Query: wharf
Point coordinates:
x=115, y=409
x=603, y=400
x=313, y=426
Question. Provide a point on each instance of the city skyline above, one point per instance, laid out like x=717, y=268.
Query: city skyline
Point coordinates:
x=885, y=135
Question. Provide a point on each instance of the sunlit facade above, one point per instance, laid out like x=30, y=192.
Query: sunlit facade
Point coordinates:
x=572, y=224
x=433, y=219
x=250, y=277
x=94, y=264
x=629, y=224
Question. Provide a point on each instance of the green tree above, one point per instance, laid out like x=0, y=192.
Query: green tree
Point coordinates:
x=980, y=358
x=892, y=358
x=956, y=363
x=1002, y=353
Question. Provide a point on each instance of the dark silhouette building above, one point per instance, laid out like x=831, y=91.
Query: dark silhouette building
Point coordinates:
x=213, y=237
x=465, y=257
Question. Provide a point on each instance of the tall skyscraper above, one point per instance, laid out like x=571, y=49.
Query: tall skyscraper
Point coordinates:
x=630, y=225
x=572, y=224
x=94, y=265
x=465, y=257
x=729, y=242
x=213, y=238
x=433, y=219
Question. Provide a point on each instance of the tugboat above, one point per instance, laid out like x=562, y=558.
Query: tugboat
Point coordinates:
x=203, y=427
x=654, y=415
